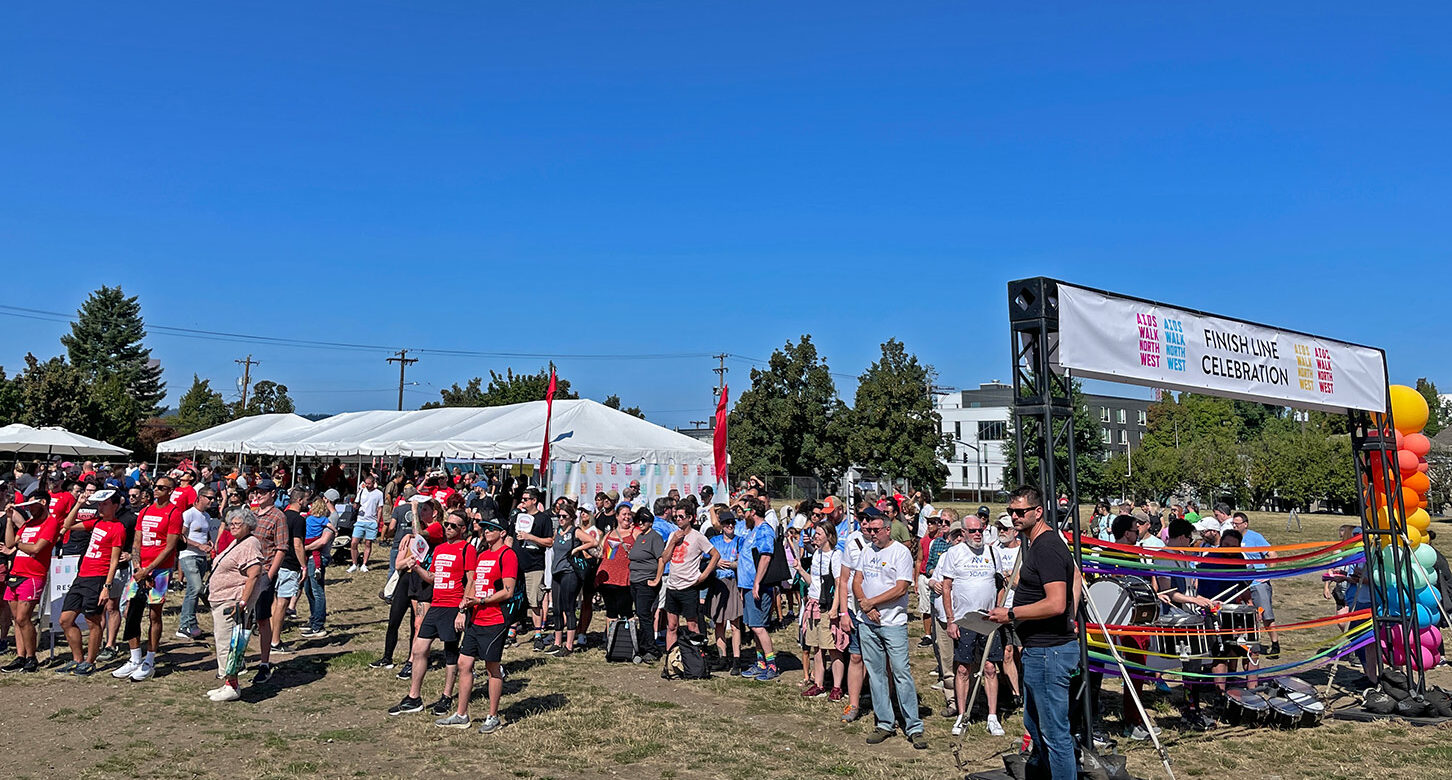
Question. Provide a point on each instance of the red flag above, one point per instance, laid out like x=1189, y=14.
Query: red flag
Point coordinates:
x=544, y=458
x=719, y=436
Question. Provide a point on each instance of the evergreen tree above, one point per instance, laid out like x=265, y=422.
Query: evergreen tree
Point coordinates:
x=106, y=340
x=613, y=401
x=9, y=399
x=1435, y=420
x=789, y=421
x=503, y=389
x=267, y=397
x=200, y=408
x=895, y=430
x=56, y=393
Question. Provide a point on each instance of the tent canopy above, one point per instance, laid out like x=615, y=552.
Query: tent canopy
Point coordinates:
x=18, y=437
x=580, y=429
x=233, y=436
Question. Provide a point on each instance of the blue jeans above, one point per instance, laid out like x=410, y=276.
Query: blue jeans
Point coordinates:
x=1046, y=672
x=194, y=569
x=884, y=651
x=317, y=598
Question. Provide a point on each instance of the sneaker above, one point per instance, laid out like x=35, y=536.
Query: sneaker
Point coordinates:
x=958, y=727
x=16, y=664
x=143, y=672
x=919, y=741
x=926, y=641
x=120, y=674
x=1275, y=650
x=382, y=663
x=291, y=615
x=539, y=643
x=442, y=707
x=455, y=721
x=180, y=634
x=850, y=713
x=1102, y=742
x=406, y=671
x=950, y=710
x=84, y=669
x=107, y=654
x=769, y=673
x=878, y=736
x=67, y=667
x=836, y=695
x=1162, y=687
x=1140, y=734
x=553, y=649
x=227, y=693
x=812, y=691
x=31, y=666
x=564, y=652
x=314, y=633
x=490, y=725
x=282, y=649
x=408, y=705
x=754, y=669
x=352, y=569
x=264, y=673
x=994, y=727
x=363, y=569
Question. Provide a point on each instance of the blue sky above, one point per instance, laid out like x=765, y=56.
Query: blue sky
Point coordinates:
x=648, y=178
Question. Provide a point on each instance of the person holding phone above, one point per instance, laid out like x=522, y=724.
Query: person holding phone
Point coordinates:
x=30, y=536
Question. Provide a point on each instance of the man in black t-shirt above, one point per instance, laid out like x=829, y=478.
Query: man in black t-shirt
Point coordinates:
x=1041, y=613
x=533, y=533
x=289, y=576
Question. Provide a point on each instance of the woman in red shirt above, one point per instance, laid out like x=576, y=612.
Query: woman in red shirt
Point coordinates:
x=30, y=536
x=444, y=572
x=489, y=583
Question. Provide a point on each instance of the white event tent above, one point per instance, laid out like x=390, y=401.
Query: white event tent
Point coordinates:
x=235, y=436
x=50, y=440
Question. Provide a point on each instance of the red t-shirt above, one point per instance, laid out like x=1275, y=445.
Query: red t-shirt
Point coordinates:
x=61, y=504
x=442, y=495
x=491, y=567
x=35, y=566
x=448, y=566
x=106, y=535
x=923, y=545
x=183, y=497
x=153, y=527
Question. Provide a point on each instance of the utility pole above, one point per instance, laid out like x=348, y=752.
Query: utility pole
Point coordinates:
x=699, y=424
x=720, y=372
x=246, y=376
x=404, y=361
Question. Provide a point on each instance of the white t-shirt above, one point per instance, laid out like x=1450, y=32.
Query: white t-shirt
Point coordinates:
x=197, y=528
x=851, y=559
x=772, y=520
x=823, y=563
x=881, y=571
x=972, y=574
x=1007, y=556
x=368, y=505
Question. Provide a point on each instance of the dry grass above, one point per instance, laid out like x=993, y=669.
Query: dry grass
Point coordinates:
x=580, y=717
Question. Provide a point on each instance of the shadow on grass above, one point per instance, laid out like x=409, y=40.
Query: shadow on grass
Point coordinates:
x=535, y=705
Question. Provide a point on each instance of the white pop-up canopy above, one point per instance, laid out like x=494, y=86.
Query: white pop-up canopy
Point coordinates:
x=234, y=436
x=581, y=429
x=18, y=437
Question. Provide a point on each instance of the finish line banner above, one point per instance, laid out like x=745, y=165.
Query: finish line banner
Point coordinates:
x=1103, y=336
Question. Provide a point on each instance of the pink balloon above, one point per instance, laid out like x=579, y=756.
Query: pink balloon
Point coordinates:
x=1431, y=638
x=1426, y=659
x=1398, y=656
x=1392, y=637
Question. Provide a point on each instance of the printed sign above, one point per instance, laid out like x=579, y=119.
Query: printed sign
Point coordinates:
x=1103, y=336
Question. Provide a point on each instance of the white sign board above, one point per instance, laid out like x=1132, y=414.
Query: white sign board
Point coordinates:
x=1103, y=336
x=581, y=480
x=62, y=576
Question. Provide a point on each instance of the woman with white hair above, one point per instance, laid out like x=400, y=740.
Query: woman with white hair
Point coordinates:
x=232, y=591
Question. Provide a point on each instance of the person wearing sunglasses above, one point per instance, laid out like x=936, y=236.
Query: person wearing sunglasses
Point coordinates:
x=493, y=572
x=881, y=583
x=1041, y=614
x=444, y=571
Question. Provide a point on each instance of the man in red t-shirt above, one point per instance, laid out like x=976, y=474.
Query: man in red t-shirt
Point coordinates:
x=93, y=579
x=446, y=568
x=30, y=536
x=488, y=584
x=185, y=495
x=158, y=535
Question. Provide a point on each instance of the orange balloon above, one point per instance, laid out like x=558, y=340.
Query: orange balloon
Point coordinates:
x=1417, y=481
x=1416, y=442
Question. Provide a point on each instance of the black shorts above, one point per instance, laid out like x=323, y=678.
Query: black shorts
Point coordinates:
x=84, y=597
x=485, y=643
x=969, y=648
x=438, y=623
x=686, y=603
x=264, y=602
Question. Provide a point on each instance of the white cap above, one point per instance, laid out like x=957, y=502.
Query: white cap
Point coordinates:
x=1208, y=524
x=799, y=522
x=331, y=495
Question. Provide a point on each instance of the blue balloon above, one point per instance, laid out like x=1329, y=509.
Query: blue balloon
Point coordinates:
x=1428, y=598
x=1424, y=616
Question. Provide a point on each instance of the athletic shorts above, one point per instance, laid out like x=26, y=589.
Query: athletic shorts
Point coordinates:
x=438, y=623
x=24, y=588
x=155, y=593
x=485, y=643
x=686, y=603
x=968, y=650
x=265, y=598
x=854, y=641
x=534, y=587
x=1260, y=596
x=755, y=611
x=84, y=597
x=288, y=582
x=925, y=596
x=365, y=530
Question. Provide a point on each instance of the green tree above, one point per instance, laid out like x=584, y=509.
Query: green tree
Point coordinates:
x=9, y=399
x=106, y=340
x=1089, y=454
x=503, y=389
x=200, y=408
x=267, y=397
x=1435, y=421
x=613, y=401
x=895, y=431
x=119, y=414
x=56, y=393
x=789, y=421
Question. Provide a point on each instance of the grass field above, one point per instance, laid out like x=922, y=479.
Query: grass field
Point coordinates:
x=323, y=715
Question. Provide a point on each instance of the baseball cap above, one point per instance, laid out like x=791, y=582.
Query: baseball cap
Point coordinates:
x=613, y=495
x=983, y=512
x=264, y=485
x=100, y=496
x=331, y=495
x=872, y=511
x=1004, y=521
x=1208, y=524
x=829, y=504
x=490, y=524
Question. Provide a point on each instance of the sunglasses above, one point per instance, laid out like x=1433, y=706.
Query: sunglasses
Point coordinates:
x=973, y=530
x=1022, y=512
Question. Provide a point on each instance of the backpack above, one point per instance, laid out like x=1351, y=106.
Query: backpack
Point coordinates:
x=620, y=642
x=777, y=571
x=516, y=607
x=686, y=661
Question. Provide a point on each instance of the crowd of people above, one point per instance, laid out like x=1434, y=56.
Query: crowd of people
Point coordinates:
x=476, y=565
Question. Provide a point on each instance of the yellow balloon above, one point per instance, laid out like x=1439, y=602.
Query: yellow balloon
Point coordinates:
x=1419, y=520
x=1416, y=537
x=1409, y=409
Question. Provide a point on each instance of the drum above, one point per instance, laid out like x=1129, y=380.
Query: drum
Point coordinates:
x=1243, y=620
x=1124, y=601
x=1288, y=685
x=1284, y=713
x=1245, y=707
x=1303, y=695
x=1186, y=636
